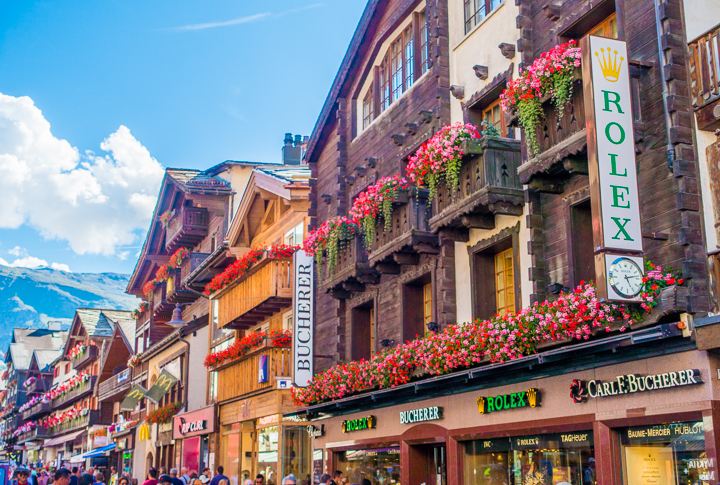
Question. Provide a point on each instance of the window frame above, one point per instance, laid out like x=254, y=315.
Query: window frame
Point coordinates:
x=414, y=321
x=487, y=7
x=605, y=24
x=489, y=109
x=482, y=257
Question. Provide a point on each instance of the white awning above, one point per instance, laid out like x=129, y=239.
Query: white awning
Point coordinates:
x=62, y=439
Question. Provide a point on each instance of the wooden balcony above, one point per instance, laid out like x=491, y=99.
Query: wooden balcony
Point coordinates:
x=115, y=386
x=240, y=377
x=562, y=144
x=408, y=237
x=705, y=79
x=488, y=185
x=176, y=290
x=187, y=228
x=160, y=306
x=263, y=292
x=76, y=394
x=38, y=433
x=90, y=419
x=87, y=357
x=352, y=271
x=37, y=410
x=35, y=387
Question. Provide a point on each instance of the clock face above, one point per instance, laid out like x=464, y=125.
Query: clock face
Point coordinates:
x=625, y=277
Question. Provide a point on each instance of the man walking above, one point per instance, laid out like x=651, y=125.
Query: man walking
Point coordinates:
x=219, y=476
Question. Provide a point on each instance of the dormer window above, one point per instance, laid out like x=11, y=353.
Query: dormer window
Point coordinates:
x=400, y=62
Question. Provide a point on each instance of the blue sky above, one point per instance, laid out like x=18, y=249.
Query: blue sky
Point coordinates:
x=194, y=83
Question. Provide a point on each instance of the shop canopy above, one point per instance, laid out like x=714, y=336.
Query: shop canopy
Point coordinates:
x=62, y=439
x=93, y=453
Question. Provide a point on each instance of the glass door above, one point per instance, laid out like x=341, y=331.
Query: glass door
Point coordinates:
x=436, y=466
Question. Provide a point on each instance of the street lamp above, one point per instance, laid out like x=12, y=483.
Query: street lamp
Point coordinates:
x=176, y=321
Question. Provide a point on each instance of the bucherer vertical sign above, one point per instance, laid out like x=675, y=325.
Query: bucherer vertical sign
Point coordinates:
x=617, y=231
x=303, y=315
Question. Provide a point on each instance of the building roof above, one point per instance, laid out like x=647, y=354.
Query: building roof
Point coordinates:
x=287, y=173
x=45, y=357
x=192, y=180
x=99, y=322
x=26, y=340
x=127, y=329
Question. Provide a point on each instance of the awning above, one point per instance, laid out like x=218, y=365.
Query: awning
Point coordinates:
x=90, y=454
x=62, y=439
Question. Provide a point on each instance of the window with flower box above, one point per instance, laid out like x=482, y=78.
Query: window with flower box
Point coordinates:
x=495, y=116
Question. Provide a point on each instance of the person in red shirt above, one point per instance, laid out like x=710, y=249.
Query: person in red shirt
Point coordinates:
x=152, y=477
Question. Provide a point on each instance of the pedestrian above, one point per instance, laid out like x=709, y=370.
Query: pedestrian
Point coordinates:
x=163, y=470
x=197, y=481
x=62, y=476
x=75, y=473
x=20, y=476
x=216, y=479
x=99, y=478
x=44, y=478
x=184, y=476
x=86, y=479
x=165, y=480
x=205, y=476
x=113, y=475
x=124, y=481
x=289, y=480
x=174, y=477
x=151, y=477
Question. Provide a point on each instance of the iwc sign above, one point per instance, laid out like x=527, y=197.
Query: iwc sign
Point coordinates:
x=581, y=390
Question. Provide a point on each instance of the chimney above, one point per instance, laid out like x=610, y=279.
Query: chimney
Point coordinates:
x=54, y=326
x=292, y=149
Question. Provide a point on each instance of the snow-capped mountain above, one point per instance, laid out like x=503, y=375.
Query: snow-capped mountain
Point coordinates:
x=32, y=297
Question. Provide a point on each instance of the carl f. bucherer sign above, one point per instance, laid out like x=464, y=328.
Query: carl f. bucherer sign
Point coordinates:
x=581, y=390
x=615, y=200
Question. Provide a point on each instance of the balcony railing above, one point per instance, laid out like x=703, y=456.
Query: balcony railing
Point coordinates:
x=92, y=418
x=38, y=385
x=78, y=393
x=705, y=78
x=488, y=184
x=87, y=357
x=161, y=307
x=176, y=292
x=36, y=434
x=351, y=271
x=409, y=233
x=241, y=376
x=115, y=385
x=37, y=410
x=187, y=228
x=266, y=290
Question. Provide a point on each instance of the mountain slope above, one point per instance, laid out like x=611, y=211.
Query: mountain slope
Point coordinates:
x=32, y=297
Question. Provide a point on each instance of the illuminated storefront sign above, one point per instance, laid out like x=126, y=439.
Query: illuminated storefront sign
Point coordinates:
x=303, y=314
x=632, y=383
x=418, y=415
x=529, y=398
x=359, y=424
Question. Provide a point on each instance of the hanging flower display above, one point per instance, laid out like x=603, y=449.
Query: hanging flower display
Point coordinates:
x=57, y=419
x=163, y=414
x=142, y=308
x=281, y=251
x=25, y=428
x=31, y=402
x=574, y=315
x=67, y=386
x=439, y=159
x=329, y=238
x=550, y=74
x=162, y=274
x=77, y=351
x=375, y=203
x=133, y=360
x=178, y=257
x=29, y=381
x=234, y=271
x=278, y=338
x=166, y=217
x=148, y=289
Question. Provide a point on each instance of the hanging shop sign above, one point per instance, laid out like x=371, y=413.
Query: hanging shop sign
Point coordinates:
x=162, y=385
x=303, y=316
x=133, y=397
x=263, y=369
x=612, y=167
x=418, y=415
x=315, y=432
x=581, y=390
x=194, y=423
x=529, y=398
x=359, y=424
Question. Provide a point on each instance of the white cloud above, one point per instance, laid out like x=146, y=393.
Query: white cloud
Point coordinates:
x=243, y=20
x=95, y=203
x=24, y=260
x=60, y=267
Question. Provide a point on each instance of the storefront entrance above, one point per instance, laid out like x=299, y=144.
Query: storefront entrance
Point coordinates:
x=428, y=465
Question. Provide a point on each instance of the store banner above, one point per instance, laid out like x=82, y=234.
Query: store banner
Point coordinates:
x=137, y=392
x=162, y=385
x=303, y=318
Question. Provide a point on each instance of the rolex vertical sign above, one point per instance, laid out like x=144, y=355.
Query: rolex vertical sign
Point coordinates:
x=303, y=318
x=617, y=232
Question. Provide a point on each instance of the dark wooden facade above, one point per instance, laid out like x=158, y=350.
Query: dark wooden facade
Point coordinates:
x=345, y=160
x=667, y=167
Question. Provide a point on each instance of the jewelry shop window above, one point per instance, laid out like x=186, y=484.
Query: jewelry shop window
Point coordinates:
x=379, y=465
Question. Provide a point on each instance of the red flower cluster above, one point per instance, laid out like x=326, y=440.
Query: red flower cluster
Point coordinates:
x=166, y=217
x=178, y=257
x=280, y=251
x=142, y=308
x=234, y=271
x=163, y=414
x=376, y=201
x=279, y=338
x=148, y=288
x=162, y=274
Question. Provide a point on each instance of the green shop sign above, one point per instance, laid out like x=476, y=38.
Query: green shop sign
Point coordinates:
x=529, y=398
x=359, y=424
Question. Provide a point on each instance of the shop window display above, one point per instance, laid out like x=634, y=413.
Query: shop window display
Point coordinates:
x=554, y=459
x=297, y=452
x=380, y=465
x=668, y=453
x=267, y=456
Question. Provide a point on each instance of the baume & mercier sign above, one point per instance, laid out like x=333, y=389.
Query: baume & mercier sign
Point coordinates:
x=631, y=383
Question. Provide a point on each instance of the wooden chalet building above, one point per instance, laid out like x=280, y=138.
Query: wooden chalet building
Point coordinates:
x=253, y=390
x=192, y=214
x=517, y=231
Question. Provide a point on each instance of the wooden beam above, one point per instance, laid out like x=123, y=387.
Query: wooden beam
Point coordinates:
x=352, y=285
x=485, y=221
x=407, y=258
x=388, y=267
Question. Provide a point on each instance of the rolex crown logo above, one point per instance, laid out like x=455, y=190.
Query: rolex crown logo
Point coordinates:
x=481, y=405
x=609, y=64
x=532, y=397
